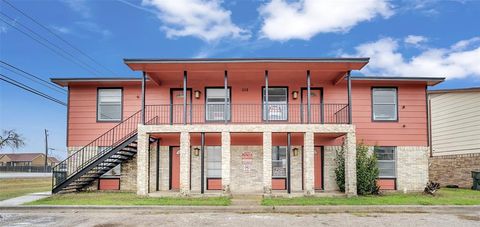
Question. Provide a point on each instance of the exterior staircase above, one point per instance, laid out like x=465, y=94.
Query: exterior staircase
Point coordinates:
x=83, y=167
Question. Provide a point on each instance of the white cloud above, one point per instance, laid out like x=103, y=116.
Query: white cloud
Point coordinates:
x=79, y=6
x=205, y=19
x=60, y=29
x=3, y=29
x=93, y=27
x=303, y=19
x=458, y=61
x=415, y=39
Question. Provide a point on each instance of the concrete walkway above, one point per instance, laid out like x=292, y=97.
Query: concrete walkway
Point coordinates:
x=24, y=199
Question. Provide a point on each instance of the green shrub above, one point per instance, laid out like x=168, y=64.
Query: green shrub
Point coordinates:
x=367, y=170
x=340, y=169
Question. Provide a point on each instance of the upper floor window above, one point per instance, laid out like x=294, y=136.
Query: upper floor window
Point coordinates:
x=215, y=108
x=279, y=161
x=109, y=104
x=384, y=104
x=277, y=104
x=386, y=161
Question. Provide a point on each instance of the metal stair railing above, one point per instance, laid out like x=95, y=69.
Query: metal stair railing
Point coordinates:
x=102, y=145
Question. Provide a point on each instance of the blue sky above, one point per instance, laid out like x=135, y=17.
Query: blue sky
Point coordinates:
x=403, y=38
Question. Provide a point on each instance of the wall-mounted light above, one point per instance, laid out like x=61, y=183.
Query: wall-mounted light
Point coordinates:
x=197, y=93
x=295, y=94
x=196, y=151
x=295, y=151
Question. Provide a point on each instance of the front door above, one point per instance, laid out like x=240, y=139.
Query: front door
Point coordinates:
x=174, y=168
x=318, y=168
x=176, y=101
x=316, y=108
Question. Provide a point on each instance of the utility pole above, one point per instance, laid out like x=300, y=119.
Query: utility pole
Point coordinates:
x=46, y=149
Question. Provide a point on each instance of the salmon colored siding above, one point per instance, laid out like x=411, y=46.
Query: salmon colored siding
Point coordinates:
x=214, y=184
x=108, y=184
x=279, y=184
x=386, y=184
x=410, y=130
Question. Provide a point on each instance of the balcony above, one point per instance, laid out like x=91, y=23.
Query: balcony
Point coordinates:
x=247, y=114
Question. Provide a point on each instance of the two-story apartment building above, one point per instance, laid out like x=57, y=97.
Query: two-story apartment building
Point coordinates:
x=235, y=126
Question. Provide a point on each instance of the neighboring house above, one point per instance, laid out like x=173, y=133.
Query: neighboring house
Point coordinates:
x=229, y=126
x=26, y=159
x=455, y=135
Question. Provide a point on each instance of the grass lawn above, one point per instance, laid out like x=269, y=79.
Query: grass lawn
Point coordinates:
x=444, y=196
x=126, y=198
x=14, y=187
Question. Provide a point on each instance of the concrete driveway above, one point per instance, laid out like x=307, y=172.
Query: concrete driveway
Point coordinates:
x=103, y=217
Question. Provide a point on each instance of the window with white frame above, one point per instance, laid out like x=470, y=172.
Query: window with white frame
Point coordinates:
x=279, y=161
x=215, y=104
x=386, y=161
x=277, y=104
x=109, y=104
x=384, y=104
x=214, y=161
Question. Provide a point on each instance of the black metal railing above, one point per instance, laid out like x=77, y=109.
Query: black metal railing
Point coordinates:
x=249, y=113
x=98, y=147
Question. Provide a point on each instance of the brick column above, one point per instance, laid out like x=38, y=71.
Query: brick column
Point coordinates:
x=308, y=164
x=350, y=148
x=184, y=163
x=142, y=162
x=267, y=163
x=226, y=163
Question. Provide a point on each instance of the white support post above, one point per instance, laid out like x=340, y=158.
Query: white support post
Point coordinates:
x=226, y=163
x=142, y=160
x=308, y=160
x=184, y=163
x=350, y=147
x=267, y=163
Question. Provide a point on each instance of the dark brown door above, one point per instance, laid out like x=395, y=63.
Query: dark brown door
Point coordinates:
x=318, y=168
x=315, y=105
x=175, y=168
x=176, y=110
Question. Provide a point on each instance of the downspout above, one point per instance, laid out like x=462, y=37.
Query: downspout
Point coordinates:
x=308, y=97
x=184, y=97
x=349, y=90
x=266, y=97
x=143, y=97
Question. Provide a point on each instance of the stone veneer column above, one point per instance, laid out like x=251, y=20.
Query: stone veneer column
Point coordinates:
x=308, y=160
x=350, y=164
x=226, y=163
x=184, y=163
x=267, y=163
x=142, y=162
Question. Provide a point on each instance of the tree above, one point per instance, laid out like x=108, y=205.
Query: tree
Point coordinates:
x=10, y=138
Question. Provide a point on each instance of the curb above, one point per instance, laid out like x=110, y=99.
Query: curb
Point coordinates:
x=252, y=209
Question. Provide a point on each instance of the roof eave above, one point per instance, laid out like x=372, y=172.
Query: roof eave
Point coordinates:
x=431, y=81
x=234, y=60
x=63, y=82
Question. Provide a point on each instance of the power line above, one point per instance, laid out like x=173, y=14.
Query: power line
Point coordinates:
x=59, y=37
x=77, y=61
x=45, y=83
x=30, y=89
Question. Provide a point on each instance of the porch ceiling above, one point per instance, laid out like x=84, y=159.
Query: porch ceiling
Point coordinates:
x=251, y=69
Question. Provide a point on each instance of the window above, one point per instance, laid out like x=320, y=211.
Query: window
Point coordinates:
x=279, y=161
x=214, y=161
x=384, y=101
x=109, y=104
x=277, y=104
x=215, y=108
x=386, y=161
